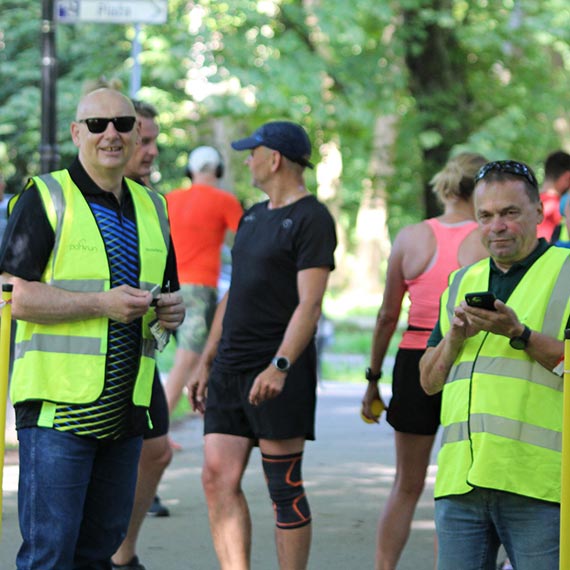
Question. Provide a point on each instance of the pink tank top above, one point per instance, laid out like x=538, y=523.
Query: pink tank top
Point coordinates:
x=426, y=288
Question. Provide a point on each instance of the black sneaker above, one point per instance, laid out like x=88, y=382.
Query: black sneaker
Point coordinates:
x=134, y=564
x=157, y=509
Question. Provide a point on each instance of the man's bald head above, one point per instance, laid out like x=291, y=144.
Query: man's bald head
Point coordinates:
x=104, y=99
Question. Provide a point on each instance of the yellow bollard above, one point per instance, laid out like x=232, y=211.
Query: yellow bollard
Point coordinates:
x=5, y=326
x=565, y=492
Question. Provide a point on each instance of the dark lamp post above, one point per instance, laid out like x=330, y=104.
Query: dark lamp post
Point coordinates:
x=49, y=158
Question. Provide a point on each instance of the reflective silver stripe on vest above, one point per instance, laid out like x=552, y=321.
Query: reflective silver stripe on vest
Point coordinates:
x=557, y=302
x=58, y=343
x=504, y=427
x=510, y=368
x=452, y=293
x=148, y=347
x=164, y=225
x=454, y=433
x=58, y=199
x=460, y=371
x=80, y=285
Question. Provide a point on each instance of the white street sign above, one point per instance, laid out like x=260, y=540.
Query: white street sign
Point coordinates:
x=112, y=11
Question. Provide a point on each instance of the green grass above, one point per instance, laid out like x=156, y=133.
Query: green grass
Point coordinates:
x=182, y=409
x=165, y=359
x=351, y=340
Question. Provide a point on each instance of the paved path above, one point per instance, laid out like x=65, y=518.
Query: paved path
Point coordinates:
x=348, y=473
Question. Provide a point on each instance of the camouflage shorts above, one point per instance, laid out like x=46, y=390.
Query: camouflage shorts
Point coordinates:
x=200, y=303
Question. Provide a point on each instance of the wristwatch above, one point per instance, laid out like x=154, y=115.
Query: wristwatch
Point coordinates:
x=282, y=363
x=520, y=342
x=370, y=376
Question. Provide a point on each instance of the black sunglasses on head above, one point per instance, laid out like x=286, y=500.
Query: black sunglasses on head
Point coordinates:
x=99, y=124
x=510, y=167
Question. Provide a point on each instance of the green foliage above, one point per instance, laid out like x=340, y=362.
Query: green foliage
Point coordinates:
x=485, y=76
x=350, y=339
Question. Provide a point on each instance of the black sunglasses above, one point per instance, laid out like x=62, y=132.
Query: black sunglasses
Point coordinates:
x=510, y=167
x=99, y=124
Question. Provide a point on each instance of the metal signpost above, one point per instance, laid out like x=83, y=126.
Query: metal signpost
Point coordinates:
x=135, y=12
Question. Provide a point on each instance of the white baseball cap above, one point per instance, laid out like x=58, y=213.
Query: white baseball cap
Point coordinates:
x=204, y=158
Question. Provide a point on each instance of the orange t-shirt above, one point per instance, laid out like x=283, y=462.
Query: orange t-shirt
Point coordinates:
x=199, y=218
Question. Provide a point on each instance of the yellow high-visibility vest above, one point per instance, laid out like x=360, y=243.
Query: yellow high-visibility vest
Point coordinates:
x=501, y=410
x=65, y=362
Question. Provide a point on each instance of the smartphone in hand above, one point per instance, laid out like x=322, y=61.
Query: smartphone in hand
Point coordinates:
x=481, y=300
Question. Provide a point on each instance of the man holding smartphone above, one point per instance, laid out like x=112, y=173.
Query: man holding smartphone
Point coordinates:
x=498, y=478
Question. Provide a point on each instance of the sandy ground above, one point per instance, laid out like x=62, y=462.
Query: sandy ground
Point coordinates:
x=348, y=473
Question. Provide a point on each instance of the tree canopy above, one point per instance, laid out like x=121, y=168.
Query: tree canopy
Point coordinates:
x=446, y=75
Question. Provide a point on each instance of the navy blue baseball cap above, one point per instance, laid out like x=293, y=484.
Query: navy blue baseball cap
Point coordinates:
x=290, y=139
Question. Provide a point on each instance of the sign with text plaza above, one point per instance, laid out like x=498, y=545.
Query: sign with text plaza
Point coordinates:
x=112, y=11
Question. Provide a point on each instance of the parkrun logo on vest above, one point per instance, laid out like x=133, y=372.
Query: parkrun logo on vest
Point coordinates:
x=82, y=245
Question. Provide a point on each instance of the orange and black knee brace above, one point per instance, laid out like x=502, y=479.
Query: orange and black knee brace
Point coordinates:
x=285, y=484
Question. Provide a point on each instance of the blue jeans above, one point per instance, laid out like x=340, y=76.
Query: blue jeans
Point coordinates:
x=75, y=498
x=470, y=529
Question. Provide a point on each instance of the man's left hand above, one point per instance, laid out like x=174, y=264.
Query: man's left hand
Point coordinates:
x=170, y=310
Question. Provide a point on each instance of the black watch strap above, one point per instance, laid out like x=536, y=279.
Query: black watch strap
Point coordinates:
x=370, y=376
x=521, y=342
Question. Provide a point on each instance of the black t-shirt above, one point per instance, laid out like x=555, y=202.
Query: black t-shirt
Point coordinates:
x=270, y=248
x=27, y=246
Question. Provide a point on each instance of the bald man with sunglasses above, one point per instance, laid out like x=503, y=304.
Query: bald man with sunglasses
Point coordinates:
x=88, y=253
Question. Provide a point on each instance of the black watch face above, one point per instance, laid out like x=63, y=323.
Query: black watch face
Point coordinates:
x=282, y=363
x=518, y=343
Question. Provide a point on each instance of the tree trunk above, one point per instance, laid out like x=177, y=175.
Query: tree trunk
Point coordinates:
x=328, y=172
x=372, y=240
x=436, y=66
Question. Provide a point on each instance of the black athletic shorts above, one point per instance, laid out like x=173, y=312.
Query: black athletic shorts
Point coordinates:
x=289, y=415
x=158, y=410
x=411, y=410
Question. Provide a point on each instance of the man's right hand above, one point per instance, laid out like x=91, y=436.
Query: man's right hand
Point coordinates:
x=461, y=326
x=125, y=303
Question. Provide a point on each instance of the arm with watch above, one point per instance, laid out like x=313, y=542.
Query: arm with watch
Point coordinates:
x=311, y=285
x=546, y=350
x=386, y=323
x=468, y=321
x=385, y=326
x=504, y=321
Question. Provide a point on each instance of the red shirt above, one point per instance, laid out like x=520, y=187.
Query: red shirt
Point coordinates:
x=552, y=217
